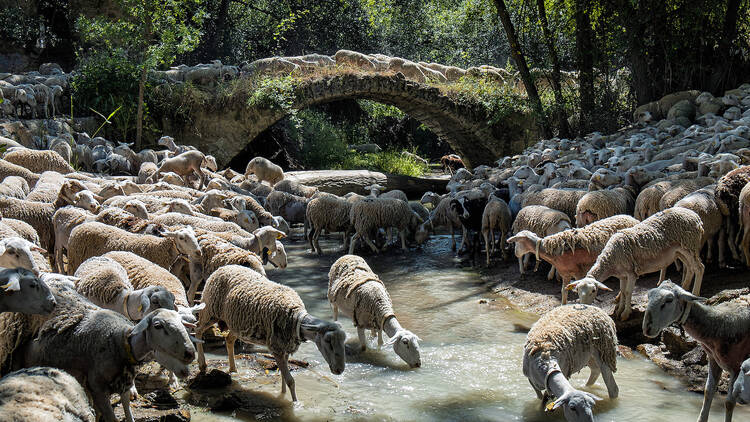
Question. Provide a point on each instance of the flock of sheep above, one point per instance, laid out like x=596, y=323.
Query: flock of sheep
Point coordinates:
x=34, y=93
x=103, y=267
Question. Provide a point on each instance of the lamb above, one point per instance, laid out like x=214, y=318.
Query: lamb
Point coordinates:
x=9, y=169
x=703, y=203
x=39, y=161
x=15, y=187
x=652, y=245
x=94, y=239
x=542, y=221
x=16, y=252
x=295, y=188
x=573, y=252
x=329, y=213
x=24, y=292
x=600, y=204
x=564, y=200
x=105, y=283
x=451, y=163
x=722, y=331
x=248, y=203
x=102, y=349
x=138, y=208
x=278, y=258
x=561, y=343
x=264, y=170
x=286, y=205
x=357, y=292
x=259, y=311
x=185, y=164
x=144, y=274
x=496, y=215
x=280, y=224
x=209, y=200
x=469, y=211
x=146, y=172
x=43, y=394
x=371, y=214
x=245, y=219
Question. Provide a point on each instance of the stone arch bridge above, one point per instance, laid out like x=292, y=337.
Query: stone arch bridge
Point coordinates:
x=225, y=131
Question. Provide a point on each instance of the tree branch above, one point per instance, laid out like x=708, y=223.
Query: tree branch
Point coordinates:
x=257, y=9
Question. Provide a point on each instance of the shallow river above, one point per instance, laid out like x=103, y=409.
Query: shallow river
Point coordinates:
x=471, y=357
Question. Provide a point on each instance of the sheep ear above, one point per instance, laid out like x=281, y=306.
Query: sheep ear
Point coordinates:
x=689, y=297
x=2, y=247
x=34, y=247
x=14, y=283
x=573, y=285
x=142, y=326
x=595, y=397
x=197, y=308
x=602, y=286
x=551, y=407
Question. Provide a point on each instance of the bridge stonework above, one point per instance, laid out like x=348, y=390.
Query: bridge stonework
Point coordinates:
x=224, y=133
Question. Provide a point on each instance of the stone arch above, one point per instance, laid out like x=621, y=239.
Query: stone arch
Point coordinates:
x=464, y=125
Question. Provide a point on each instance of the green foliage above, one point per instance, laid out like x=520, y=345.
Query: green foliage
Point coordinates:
x=377, y=110
x=274, y=93
x=499, y=99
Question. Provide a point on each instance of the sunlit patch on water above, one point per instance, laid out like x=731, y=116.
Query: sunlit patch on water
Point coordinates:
x=471, y=355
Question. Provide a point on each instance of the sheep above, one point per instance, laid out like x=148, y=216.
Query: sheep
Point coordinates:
x=561, y=343
x=295, y=188
x=62, y=147
x=144, y=274
x=15, y=187
x=329, y=213
x=245, y=219
x=37, y=214
x=741, y=389
x=287, y=205
x=264, y=170
x=600, y=204
x=496, y=215
x=39, y=161
x=185, y=164
x=278, y=258
x=146, y=172
x=442, y=215
x=281, y=225
x=93, y=239
x=728, y=190
x=43, y=394
x=64, y=221
x=105, y=283
x=102, y=349
x=24, y=292
x=214, y=224
x=209, y=200
x=703, y=203
x=683, y=189
x=451, y=163
x=138, y=208
x=9, y=169
x=259, y=311
x=371, y=214
x=564, y=200
x=124, y=220
x=652, y=245
x=248, y=203
x=542, y=221
x=469, y=211
x=358, y=293
x=722, y=331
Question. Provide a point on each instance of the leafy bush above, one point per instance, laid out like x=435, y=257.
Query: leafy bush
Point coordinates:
x=104, y=81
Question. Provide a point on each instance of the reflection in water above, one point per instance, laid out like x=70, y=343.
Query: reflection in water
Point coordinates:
x=471, y=356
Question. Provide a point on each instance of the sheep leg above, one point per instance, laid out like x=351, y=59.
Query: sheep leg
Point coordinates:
x=595, y=371
x=729, y=404
x=453, y=239
x=745, y=243
x=662, y=275
x=722, y=246
x=403, y=239
x=372, y=246
x=485, y=233
x=125, y=401
x=731, y=241
x=564, y=294
x=352, y=243
x=58, y=259
x=315, y=240
x=309, y=237
x=230, y=339
x=551, y=273
x=503, y=244
x=520, y=265
x=362, y=339
x=699, y=270
x=100, y=399
x=380, y=338
x=627, y=297
x=609, y=379
x=286, y=375
x=712, y=380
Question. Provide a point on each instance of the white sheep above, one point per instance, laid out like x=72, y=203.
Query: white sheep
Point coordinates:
x=264, y=170
x=600, y=204
x=542, y=221
x=652, y=245
x=43, y=394
x=15, y=252
x=496, y=216
x=24, y=292
x=105, y=283
x=259, y=311
x=358, y=293
x=373, y=213
x=329, y=213
x=560, y=344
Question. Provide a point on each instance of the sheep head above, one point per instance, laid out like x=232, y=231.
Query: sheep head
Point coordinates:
x=185, y=241
x=741, y=390
x=156, y=297
x=406, y=345
x=15, y=252
x=329, y=338
x=277, y=258
x=85, y=199
x=162, y=333
x=525, y=242
x=587, y=288
x=25, y=292
x=666, y=304
x=577, y=405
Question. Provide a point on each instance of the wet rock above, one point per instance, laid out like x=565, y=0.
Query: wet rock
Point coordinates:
x=151, y=376
x=697, y=356
x=676, y=342
x=727, y=295
x=625, y=351
x=213, y=379
x=161, y=399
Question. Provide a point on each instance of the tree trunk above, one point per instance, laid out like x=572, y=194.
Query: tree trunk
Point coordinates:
x=723, y=61
x=585, y=47
x=562, y=119
x=523, y=68
x=139, y=118
x=340, y=182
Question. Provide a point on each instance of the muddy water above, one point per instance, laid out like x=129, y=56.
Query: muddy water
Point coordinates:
x=471, y=357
